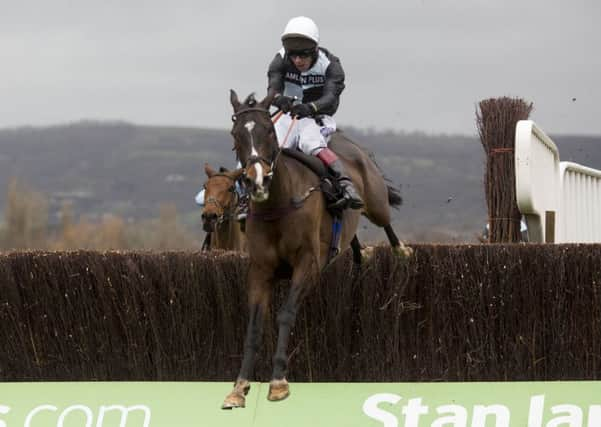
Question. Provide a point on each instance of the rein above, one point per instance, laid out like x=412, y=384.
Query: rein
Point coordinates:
x=277, y=213
x=294, y=120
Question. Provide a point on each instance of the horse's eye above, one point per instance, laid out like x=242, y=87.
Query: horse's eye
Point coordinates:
x=231, y=189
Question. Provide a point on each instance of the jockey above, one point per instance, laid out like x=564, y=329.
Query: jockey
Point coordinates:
x=308, y=80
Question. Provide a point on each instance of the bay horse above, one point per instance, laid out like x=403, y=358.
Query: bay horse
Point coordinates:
x=220, y=210
x=289, y=229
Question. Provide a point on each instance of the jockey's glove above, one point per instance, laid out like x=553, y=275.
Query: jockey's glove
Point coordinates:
x=303, y=110
x=284, y=103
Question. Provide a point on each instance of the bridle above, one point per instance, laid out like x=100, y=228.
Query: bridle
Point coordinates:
x=249, y=109
x=228, y=212
x=273, y=213
x=255, y=159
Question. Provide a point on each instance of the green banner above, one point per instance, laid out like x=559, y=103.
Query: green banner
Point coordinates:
x=183, y=404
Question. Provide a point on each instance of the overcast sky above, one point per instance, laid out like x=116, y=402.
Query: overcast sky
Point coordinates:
x=410, y=64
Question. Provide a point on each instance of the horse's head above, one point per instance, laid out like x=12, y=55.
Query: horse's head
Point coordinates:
x=255, y=143
x=221, y=198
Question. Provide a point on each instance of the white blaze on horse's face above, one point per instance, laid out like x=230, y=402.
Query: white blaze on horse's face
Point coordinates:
x=250, y=125
x=260, y=193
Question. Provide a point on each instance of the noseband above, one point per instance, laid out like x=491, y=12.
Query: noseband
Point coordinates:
x=256, y=159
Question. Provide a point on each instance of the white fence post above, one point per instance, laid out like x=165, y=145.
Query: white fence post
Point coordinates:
x=536, y=180
x=561, y=201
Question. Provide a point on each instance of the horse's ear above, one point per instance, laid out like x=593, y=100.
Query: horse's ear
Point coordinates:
x=237, y=173
x=266, y=102
x=209, y=170
x=234, y=100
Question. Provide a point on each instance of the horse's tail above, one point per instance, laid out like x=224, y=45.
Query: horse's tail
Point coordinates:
x=394, y=196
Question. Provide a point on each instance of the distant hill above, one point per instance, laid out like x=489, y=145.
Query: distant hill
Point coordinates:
x=130, y=170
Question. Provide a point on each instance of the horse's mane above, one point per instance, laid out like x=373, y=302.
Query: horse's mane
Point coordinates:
x=250, y=100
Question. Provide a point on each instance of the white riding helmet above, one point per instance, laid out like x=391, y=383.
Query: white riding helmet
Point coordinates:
x=303, y=27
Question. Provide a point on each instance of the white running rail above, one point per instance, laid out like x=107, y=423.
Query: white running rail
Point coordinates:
x=580, y=205
x=561, y=201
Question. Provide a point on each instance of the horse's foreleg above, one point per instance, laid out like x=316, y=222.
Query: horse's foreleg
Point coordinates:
x=206, y=244
x=301, y=277
x=398, y=248
x=258, y=300
x=254, y=333
x=356, y=247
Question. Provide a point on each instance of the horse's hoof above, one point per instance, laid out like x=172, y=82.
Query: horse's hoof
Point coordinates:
x=236, y=399
x=278, y=390
x=402, y=251
x=367, y=252
x=233, y=400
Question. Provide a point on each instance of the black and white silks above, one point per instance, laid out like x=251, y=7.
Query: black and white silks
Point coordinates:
x=321, y=85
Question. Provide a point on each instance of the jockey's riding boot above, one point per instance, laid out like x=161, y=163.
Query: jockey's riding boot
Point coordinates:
x=351, y=198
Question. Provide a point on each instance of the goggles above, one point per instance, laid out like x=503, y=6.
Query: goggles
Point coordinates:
x=305, y=53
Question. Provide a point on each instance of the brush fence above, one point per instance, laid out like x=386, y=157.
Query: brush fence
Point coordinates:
x=561, y=201
x=449, y=313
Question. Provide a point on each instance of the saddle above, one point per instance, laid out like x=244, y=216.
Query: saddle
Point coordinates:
x=332, y=192
x=328, y=183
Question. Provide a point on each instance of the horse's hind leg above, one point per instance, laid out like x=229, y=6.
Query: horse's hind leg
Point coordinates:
x=392, y=238
x=397, y=246
x=379, y=214
x=378, y=200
